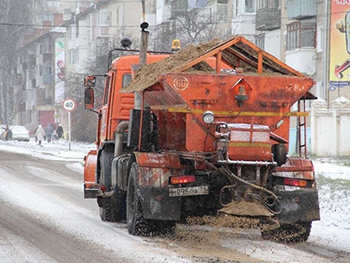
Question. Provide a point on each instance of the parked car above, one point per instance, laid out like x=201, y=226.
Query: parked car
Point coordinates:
x=2, y=131
x=19, y=133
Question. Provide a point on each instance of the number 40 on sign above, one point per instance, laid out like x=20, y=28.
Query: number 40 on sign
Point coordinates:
x=68, y=105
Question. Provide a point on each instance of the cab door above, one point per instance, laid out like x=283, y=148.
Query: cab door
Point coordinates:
x=105, y=112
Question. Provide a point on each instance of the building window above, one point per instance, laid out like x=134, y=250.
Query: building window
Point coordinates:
x=40, y=70
x=301, y=34
x=45, y=48
x=235, y=7
x=117, y=16
x=103, y=18
x=76, y=29
x=261, y=4
x=260, y=41
x=74, y=56
x=249, y=6
x=221, y=12
x=30, y=74
x=73, y=31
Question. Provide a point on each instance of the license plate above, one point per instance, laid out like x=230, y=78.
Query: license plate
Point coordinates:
x=187, y=191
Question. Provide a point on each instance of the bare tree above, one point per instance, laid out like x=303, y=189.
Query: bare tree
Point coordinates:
x=16, y=22
x=191, y=25
x=85, y=122
x=198, y=25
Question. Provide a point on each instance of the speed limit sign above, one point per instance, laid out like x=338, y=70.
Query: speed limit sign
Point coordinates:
x=68, y=105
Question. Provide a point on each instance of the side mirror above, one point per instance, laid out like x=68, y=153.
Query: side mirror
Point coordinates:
x=89, y=98
x=89, y=81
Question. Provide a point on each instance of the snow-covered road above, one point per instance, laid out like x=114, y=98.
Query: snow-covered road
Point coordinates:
x=54, y=197
x=44, y=218
x=333, y=178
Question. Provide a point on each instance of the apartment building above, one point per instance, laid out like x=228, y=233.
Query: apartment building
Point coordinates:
x=34, y=94
x=36, y=91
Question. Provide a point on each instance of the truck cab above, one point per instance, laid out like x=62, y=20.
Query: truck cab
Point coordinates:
x=115, y=109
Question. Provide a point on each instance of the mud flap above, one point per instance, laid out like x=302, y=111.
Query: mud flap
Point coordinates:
x=104, y=198
x=158, y=205
x=103, y=201
x=298, y=205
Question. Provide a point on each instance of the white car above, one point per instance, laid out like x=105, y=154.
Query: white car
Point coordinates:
x=2, y=131
x=19, y=133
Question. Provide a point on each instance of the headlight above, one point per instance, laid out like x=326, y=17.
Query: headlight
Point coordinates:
x=208, y=117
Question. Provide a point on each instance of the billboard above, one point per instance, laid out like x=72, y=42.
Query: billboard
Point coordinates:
x=59, y=70
x=339, y=44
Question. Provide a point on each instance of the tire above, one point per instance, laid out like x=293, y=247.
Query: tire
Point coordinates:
x=116, y=210
x=118, y=205
x=136, y=224
x=280, y=153
x=105, y=179
x=105, y=214
x=288, y=233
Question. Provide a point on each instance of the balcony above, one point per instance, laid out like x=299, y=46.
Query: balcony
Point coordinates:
x=301, y=9
x=268, y=18
x=303, y=60
x=244, y=24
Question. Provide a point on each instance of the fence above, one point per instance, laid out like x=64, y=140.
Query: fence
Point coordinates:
x=330, y=128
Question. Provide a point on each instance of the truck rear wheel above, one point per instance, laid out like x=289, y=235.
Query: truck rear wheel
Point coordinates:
x=288, y=233
x=118, y=205
x=116, y=209
x=136, y=223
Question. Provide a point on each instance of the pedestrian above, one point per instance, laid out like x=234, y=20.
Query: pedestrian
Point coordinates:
x=59, y=131
x=49, y=132
x=40, y=133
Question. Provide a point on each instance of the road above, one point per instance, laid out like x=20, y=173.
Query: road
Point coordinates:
x=44, y=218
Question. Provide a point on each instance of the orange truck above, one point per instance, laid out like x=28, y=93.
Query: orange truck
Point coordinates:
x=207, y=135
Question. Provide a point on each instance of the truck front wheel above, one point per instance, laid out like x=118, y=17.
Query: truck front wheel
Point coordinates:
x=105, y=179
x=136, y=223
x=288, y=233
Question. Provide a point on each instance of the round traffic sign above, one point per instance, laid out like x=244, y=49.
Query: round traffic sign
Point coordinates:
x=69, y=105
